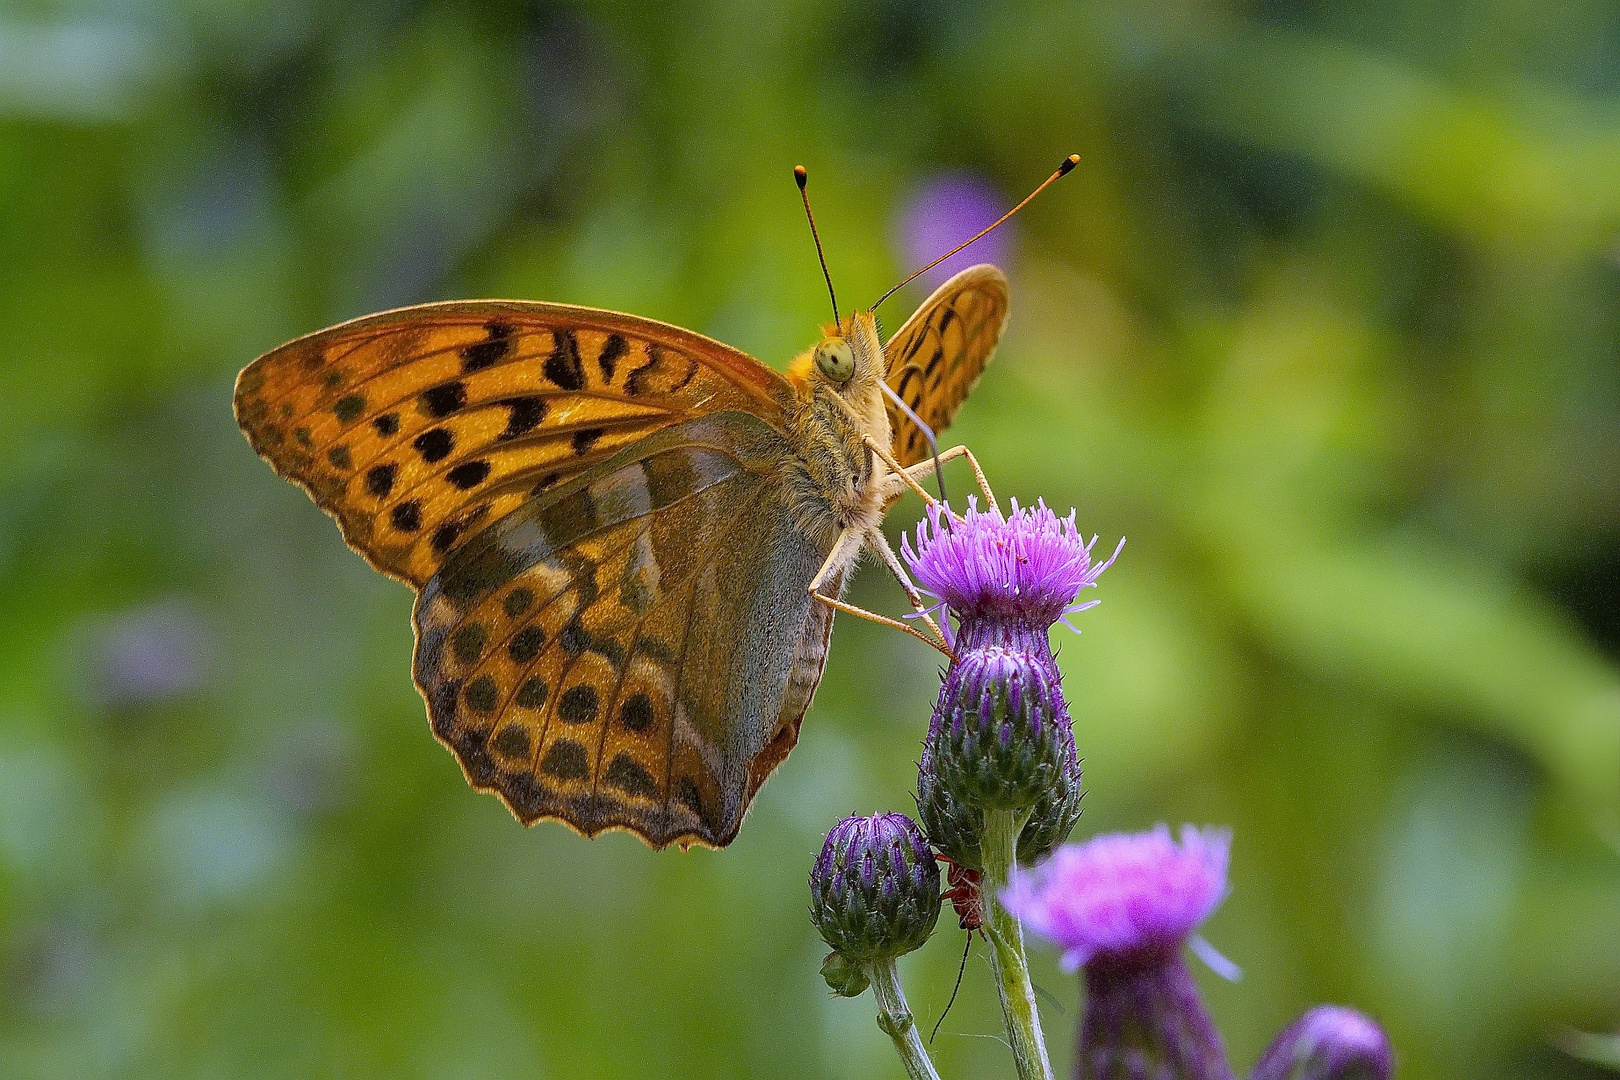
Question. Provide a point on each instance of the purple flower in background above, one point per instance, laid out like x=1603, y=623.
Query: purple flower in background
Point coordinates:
x=942, y=213
x=1121, y=907
x=1122, y=894
x=148, y=655
x=1329, y=1042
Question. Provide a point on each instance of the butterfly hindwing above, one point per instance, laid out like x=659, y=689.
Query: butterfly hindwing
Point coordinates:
x=936, y=358
x=634, y=648
x=416, y=428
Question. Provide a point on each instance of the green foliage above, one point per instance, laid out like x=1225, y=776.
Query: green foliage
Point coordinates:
x=1325, y=322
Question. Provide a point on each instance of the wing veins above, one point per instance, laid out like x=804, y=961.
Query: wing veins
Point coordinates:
x=545, y=650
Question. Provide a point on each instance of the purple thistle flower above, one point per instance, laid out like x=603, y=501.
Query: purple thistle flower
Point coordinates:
x=874, y=889
x=1121, y=906
x=1328, y=1042
x=1001, y=737
x=1023, y=569
x=945, y=211
x=1120, y=894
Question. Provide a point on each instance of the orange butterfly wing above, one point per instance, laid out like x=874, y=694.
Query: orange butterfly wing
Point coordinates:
x=636, y=647
x=936, y=358
x=418, y=427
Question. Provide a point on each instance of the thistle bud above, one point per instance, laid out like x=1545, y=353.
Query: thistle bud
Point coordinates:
x=1328, y=1043
x=955, y=827
x=1000, y=738
x=874, y=890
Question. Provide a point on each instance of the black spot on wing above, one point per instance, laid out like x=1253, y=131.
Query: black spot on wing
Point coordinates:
x=443, y=400
x=629, y=777
x=578, y=706
x=512, y=742
x=435, y=444
x=636, y=713
x=586, y=438
x=386, y=424
x=407, y=516
x=525, y=415
x=469, y=642
x=566, y=760
x=665, y=372
x=532, y=694
x=445, y=536
x=380, y=479
x=468, y=475
x=574, y=638
x=481, y=695
x=481, y=354
x=608, y=359
x=563, y=366
x=348, y=408
x=526, y=644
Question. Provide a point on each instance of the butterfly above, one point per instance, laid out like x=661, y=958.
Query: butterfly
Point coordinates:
x=627, y=540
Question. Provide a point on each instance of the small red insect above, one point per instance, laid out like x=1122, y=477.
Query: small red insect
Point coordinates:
x=963, y=893
x=968, y=902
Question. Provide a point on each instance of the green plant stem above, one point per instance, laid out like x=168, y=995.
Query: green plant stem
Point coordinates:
x=896, y=1021
x=1000, y=848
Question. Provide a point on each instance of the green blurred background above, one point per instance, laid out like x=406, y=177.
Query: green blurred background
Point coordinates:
x=1326, y=323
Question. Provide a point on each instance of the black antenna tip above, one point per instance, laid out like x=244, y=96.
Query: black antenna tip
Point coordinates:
x=1063, y=170
x=802, y=177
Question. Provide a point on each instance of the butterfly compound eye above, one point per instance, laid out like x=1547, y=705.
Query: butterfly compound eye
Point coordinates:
x=835, y=359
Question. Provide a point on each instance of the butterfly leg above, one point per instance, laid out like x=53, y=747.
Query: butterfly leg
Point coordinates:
x=923, y=468
x=877, y=542
x=840, y=555
x=910, y=477
x=900, y=470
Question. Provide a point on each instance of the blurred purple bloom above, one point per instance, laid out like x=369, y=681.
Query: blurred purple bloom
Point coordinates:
x=1027, y=567
x=942, y=213
x=1122, y=905
x=148, y=655
x=1123, y=894
x=1328, y=1042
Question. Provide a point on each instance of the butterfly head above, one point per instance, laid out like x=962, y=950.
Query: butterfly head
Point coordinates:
x=850, y=355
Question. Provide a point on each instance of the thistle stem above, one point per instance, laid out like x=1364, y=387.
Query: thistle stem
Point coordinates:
x=896, y=1021
x=1000, y=850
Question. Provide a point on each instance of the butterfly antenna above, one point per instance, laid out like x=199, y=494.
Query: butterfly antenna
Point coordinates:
x=801, y=176
x=1062, y=170
x=954, y=989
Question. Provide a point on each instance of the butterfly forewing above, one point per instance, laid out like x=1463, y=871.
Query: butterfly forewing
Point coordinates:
x=936, y=358
x=628, y=650
x=416, y=428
